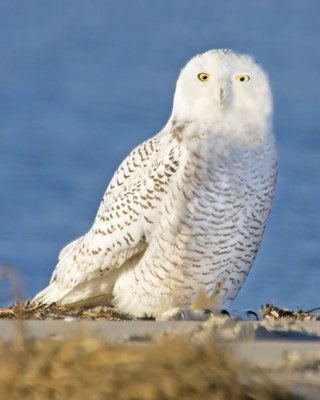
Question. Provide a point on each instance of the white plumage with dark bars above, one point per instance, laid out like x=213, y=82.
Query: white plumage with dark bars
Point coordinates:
x=183, y=217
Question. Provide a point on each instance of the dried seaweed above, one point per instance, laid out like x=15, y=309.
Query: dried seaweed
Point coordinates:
x=272, y=312
x=29, y=310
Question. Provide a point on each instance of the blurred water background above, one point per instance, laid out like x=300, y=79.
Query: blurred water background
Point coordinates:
x=83, y=82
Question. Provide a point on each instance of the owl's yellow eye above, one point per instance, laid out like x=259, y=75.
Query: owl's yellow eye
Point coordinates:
x=204, y=77
x=243, y=78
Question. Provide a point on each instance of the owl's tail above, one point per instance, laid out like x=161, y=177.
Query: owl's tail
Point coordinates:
x=51, y=294
x=90, y=293
x=95, y=290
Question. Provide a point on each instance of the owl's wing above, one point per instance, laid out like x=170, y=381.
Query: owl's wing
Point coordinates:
x=132, y=167
x=89, y=265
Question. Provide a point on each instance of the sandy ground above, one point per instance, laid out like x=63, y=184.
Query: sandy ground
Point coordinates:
x=284, y=351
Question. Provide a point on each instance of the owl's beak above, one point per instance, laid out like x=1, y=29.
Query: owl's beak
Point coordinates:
x=223, y=94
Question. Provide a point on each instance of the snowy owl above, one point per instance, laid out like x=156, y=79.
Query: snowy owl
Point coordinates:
x=185, y=212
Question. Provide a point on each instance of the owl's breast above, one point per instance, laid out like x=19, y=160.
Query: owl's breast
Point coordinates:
x=219, y=217
x=210, y=222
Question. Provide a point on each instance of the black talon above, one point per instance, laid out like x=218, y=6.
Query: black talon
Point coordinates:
x=208, y=312
x=225, y=312
x=180, y=315
x=251, y=314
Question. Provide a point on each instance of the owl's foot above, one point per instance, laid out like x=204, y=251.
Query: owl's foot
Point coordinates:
x=187, y=314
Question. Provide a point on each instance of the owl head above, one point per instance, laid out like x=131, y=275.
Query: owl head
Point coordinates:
x=222, y=87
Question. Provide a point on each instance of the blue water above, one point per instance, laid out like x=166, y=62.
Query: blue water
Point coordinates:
x=82, y=82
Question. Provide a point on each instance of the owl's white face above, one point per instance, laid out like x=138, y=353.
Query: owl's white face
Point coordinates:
x=221, y=86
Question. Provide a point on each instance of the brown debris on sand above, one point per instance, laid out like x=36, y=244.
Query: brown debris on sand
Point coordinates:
x=272, y=312
x=29, y=310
